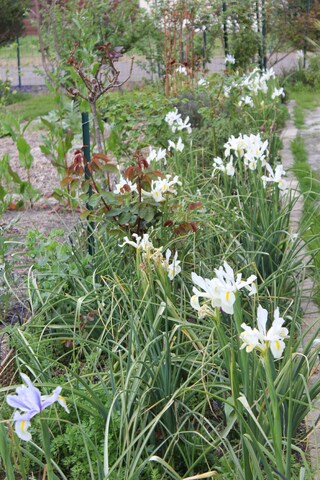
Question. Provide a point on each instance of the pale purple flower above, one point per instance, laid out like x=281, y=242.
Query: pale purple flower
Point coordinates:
x=30, y=402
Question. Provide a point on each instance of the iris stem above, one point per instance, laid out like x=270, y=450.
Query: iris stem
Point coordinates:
x=46, y=448
x=275, y=410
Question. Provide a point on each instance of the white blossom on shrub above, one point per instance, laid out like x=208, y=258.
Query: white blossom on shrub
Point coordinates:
x=142, y=243
x=172, y=117
x=182, y=70
x=247, y=100
x=174, y=120
x=155, y=255
x=250, y=148
x=203, y=82
x=227, y=168
x=226, y=90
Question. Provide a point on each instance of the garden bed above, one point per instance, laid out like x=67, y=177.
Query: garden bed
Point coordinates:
x=151, y=326
x=153, y=261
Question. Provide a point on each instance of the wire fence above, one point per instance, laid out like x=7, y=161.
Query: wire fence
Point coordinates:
x=20, y=62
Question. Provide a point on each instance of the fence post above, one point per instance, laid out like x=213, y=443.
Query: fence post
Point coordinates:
x=225, y=29
x=308, y=5
x=264, y=35
x=260, y=53
x=87, y=175
x=19, y=63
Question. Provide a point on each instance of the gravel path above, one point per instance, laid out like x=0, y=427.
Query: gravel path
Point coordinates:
x=282, y=62
x=311, y=317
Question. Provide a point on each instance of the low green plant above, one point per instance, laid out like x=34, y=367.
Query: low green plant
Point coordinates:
x=6, y=93
x=304, y=96
x=312, y=76
x=121, y=110
x=17, y=132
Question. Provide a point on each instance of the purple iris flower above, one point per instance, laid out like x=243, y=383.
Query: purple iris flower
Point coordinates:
x=30, y=402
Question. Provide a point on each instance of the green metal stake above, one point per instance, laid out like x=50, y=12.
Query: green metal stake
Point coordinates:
x=19, y=62
x=87, y=175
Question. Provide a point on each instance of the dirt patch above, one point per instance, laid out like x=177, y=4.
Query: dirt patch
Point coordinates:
x=42, y=219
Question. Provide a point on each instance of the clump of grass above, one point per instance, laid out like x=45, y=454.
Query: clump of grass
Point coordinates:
x=304, y=96
x=298, y=114
x=305, y=99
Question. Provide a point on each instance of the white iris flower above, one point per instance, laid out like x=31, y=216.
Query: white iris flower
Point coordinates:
x=261, y=339
x=220, y=291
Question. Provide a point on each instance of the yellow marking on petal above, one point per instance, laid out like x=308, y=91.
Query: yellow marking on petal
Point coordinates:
x=23, y=425
x=227, y=296
x=278, y=346
x=62, y=399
